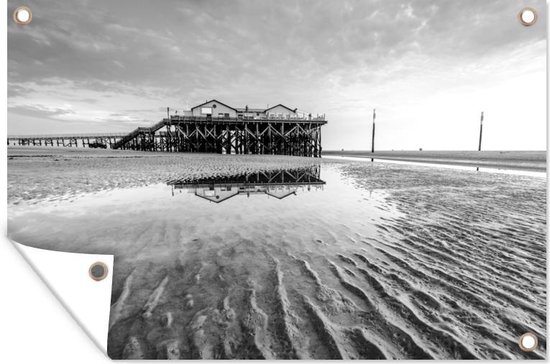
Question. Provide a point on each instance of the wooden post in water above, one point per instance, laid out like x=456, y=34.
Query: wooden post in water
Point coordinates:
x=480, y=132
x=373, y=132
x=480, y=135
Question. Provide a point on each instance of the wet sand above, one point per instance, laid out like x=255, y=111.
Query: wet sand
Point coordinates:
x=516, y=160
x=39, y=173
x=384, y=261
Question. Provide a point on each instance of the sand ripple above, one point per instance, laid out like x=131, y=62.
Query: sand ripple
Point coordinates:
x=389, y=262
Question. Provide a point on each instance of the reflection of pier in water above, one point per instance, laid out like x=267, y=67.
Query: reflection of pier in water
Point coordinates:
x=278, y=184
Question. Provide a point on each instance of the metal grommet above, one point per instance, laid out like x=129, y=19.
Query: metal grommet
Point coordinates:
x=22, y=15
x=528, y=342
x=98, y=271
x=527, y=16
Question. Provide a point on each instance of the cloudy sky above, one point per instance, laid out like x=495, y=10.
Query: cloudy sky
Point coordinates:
x=429, y=67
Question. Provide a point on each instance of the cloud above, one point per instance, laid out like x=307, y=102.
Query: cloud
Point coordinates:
x=328, y=56
x=41, y=111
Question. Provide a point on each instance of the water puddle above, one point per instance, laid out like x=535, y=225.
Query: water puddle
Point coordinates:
x=449, y=165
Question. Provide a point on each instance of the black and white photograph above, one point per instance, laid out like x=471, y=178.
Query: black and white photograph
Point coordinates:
x=298, y=179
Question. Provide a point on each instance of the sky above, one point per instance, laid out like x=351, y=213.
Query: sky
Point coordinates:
x=429, y=67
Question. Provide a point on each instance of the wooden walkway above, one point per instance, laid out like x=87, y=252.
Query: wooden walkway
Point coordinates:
x=84, y=140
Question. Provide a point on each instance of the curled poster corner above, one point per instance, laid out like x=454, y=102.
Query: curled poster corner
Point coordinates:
x=66, y=274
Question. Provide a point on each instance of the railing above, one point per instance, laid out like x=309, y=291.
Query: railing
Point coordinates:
x=59, y=136
x=287, y=118
x=155, y=127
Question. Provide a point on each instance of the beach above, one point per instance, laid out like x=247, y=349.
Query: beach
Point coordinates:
x=380, y=261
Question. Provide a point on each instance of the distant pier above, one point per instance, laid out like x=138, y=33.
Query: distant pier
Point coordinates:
x=212, y=127
x=79, y=140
